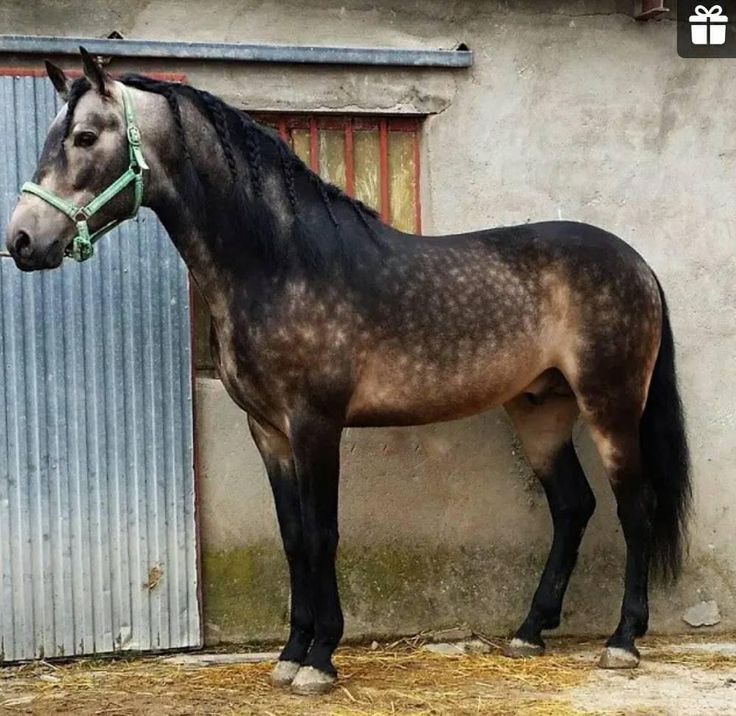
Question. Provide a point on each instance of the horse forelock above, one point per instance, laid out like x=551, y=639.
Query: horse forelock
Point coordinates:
x=78, y=89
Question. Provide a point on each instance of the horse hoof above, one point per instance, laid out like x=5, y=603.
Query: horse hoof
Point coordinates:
x=616, y=658
x=310, y=681
x=520, y=649
x=284, y=672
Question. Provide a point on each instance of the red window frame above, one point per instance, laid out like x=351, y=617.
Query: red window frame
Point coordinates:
x=383, y=124
x=10, y=71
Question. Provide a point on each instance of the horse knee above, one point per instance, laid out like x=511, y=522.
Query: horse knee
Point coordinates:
x=322, y=545
x=293, y=541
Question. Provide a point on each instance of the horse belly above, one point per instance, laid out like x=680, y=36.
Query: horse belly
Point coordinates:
x=396, y=390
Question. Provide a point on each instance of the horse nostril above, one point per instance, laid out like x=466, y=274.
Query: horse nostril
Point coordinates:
x=23, y=243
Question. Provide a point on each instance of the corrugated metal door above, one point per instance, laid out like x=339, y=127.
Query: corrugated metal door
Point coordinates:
x=97, y=522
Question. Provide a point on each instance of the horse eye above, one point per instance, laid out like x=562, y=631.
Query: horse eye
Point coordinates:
x=85, y=139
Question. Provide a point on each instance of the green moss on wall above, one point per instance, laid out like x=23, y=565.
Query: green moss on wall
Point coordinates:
x=245, y=593
x=397, y=588
x=386, y=589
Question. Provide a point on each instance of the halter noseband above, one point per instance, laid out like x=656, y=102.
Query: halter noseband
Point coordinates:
x=82, y=244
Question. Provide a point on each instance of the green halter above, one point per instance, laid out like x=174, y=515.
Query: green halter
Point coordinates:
x=82, y=244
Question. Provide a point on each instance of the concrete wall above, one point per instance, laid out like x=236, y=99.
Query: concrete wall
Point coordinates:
x=572, y=111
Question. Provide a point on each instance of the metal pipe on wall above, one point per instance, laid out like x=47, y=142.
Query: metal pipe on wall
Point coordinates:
x=238, y=52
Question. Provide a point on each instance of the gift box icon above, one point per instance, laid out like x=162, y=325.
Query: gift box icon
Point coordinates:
x=708, y=26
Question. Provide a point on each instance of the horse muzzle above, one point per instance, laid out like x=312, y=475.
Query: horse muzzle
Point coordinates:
x=30, y=254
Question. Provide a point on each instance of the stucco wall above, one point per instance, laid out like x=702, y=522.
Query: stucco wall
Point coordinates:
x=571, y=111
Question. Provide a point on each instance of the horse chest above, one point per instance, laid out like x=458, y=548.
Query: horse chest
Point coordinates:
x=239, y=376
x=266, y=364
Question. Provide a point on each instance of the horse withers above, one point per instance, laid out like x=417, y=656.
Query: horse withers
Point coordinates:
x=323, y=317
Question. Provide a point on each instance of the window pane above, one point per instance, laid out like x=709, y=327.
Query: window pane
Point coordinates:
x=367, y=160
x=300, y=137
x=402, y=177
x=332, y=156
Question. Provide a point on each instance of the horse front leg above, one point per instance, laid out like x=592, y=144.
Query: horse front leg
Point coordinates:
x=315, y=441
x=279, y=461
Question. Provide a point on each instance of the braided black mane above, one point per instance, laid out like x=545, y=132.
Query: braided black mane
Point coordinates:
x=240, y=136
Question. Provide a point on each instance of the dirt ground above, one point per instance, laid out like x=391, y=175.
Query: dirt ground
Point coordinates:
x=693, y=676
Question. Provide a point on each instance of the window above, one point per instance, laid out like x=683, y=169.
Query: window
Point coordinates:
x=375, y=159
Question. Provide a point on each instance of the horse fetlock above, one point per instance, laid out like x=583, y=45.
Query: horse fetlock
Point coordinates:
x=635, y=623
x=639, y=624
x=551, y=621
x=621, y=651
x=545, y=614
x=297, y=646
x=320, y=657
x=538, y=619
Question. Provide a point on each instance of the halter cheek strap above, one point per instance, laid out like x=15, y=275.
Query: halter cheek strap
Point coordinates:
x=81, y=247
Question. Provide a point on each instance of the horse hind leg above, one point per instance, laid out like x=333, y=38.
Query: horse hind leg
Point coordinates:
x=622, y=370
x=612, y=400
x=544, y=424
x=620, y=450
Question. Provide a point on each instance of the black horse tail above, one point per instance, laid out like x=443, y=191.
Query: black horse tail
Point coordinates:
x=666, y=459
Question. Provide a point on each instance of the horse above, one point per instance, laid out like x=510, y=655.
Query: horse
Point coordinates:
x=323, y=317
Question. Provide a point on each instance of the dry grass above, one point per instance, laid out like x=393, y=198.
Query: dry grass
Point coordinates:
x=400, y=678
x=396, y=679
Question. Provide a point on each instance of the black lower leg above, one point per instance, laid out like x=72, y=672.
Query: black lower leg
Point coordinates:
x=571, y=503
x=301, y=619
x=279, y=463
x=316, y=450
x=632, y=496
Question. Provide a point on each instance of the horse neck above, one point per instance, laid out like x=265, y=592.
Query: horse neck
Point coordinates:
x=270, y=222
x=219, y=229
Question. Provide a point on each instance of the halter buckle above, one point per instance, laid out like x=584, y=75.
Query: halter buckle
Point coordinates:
x=134, y=134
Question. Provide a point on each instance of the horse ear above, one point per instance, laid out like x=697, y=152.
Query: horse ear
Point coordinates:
x=58, y=79
x=96, y=76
